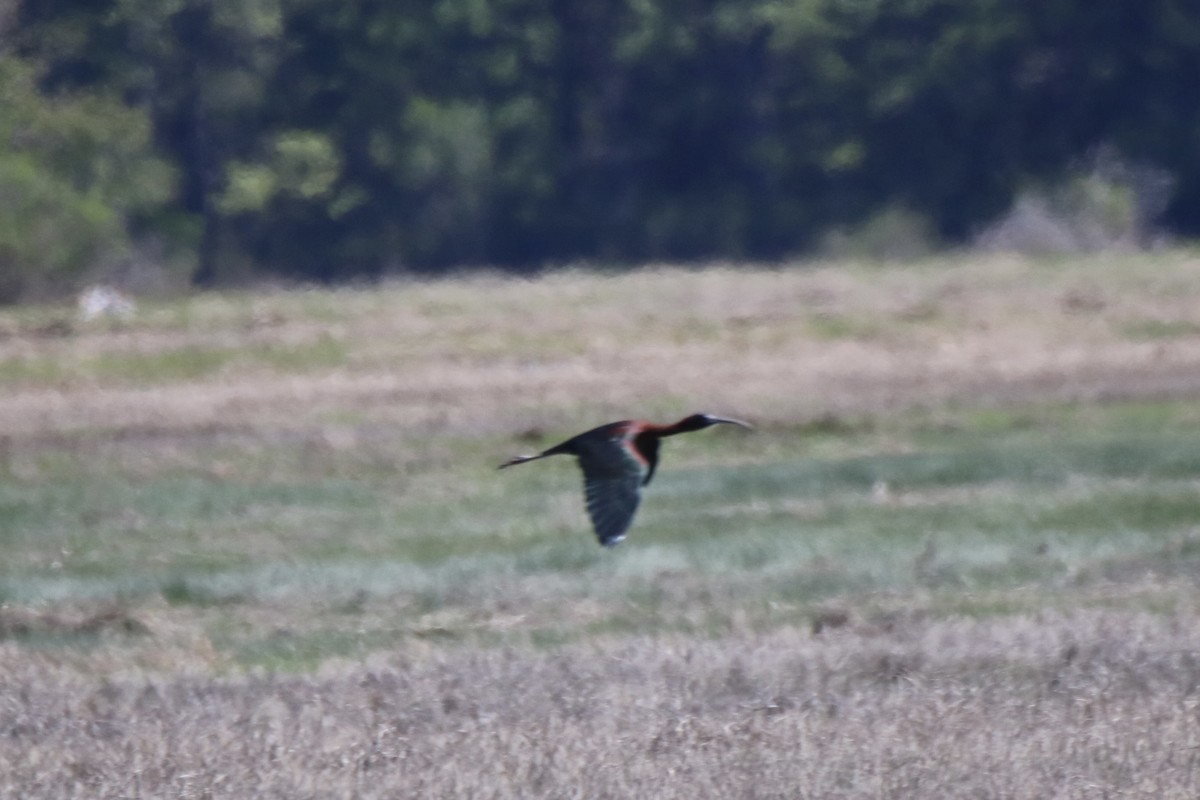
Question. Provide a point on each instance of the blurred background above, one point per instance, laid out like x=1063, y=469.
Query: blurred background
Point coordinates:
x=211, y=142
x=282, y=282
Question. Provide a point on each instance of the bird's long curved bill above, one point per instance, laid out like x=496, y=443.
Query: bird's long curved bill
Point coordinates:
x=732, y=421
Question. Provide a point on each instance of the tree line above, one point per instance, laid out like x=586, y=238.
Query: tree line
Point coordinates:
x=330, y=140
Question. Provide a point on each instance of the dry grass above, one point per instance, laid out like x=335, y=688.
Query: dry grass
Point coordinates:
x=485, y=355
x=1086, y=705
x=255, y=544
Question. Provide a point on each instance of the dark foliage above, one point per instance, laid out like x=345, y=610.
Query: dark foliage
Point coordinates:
x=327, y=140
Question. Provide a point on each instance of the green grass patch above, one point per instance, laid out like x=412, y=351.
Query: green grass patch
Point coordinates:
x=1155, y=329
x=172, y=365
x=971, y=511
x=844, y=326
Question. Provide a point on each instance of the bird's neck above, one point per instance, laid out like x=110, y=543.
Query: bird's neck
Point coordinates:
x=685, y=425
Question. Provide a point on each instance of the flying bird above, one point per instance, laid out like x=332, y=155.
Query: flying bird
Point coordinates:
x=617, y=460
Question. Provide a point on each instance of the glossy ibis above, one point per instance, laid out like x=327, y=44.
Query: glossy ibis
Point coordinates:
x=617, y=460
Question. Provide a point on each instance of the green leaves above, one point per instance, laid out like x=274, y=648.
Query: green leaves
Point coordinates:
x=331, y=139
x=74, y=170
x=301, y=164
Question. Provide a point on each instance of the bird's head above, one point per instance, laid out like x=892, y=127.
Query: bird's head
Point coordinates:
x=697, y=422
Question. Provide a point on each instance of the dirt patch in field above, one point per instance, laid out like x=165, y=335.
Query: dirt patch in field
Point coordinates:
x=18, y=623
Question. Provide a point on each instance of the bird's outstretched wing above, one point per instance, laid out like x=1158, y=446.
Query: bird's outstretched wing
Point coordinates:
x=611, y=503
x=612, y=481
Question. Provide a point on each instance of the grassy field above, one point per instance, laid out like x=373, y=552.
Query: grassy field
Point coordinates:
x=256, y=544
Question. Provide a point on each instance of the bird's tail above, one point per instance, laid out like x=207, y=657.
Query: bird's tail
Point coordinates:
x=520, y=460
